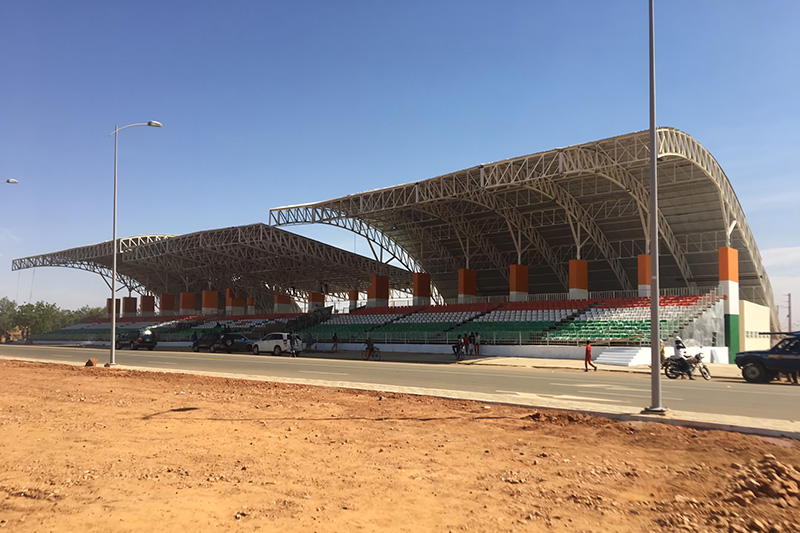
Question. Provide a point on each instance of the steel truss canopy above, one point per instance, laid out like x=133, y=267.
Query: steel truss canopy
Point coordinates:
x=256, y=260
x=588, y=201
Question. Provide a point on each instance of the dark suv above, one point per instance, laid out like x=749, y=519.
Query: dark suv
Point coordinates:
x=206, y=341
x=232, y=342
x=137, y=338
x=762, y=366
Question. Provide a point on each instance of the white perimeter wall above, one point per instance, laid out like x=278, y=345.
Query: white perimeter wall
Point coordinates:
x=753, y=319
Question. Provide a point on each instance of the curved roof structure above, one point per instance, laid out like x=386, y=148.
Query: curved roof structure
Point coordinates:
x=588, y=201
x=258, y=260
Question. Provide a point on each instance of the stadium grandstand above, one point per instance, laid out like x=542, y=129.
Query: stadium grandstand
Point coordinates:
x=544, y=249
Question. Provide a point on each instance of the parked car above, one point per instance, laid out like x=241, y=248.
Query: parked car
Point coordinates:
x=137, y=338
x=206, y=341
x=232, y=342
x=762, y=366
x=276, y=343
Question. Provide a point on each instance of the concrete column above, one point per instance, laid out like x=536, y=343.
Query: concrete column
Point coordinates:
x=518, y=283
x=378, y=292
x=108, y=307
x=148, y=305
x=467, y=286
x=352, y=297
x=422, y=288
x=316, y=300
x=578, y=279
x=233, y=306
x=283, y=303
x=644, y=274
x=251, y=305
x=210, y=303
x=187, y=305
x=729, y=290
x=167, y=304
x=128, y=306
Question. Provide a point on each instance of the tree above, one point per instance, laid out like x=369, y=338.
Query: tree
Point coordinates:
x=42, y=317
x=8, y=312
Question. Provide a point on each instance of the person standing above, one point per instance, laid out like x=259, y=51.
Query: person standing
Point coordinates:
x=335, y=346
x=292, y=341
x=472, y=342
x=587, y=358
x=466, y=343
x=680, y=357
x=477, y=343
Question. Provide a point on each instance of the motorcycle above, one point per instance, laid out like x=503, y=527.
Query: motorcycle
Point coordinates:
x=672, y=366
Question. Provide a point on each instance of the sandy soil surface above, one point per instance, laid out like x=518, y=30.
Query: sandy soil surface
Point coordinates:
x=95, y=449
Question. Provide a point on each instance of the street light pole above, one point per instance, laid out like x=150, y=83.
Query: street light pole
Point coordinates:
x=655, y=290
x=113, y=360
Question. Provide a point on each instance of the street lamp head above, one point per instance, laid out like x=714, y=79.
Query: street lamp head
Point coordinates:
x=11, y=180
x=154, y=123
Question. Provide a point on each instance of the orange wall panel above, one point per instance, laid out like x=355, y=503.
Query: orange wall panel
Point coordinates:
x=644, y=269
x=467, y=282
x=378, y=288
x=422, y=284
x=187, y=300
x=316, y=297
x=578, y=274
x=129, y=304
x=167, y=302
x=210, y=299
x=729, y=264
x=518, y=278
x=108, y=305
x=283, y=299
x=148, y=304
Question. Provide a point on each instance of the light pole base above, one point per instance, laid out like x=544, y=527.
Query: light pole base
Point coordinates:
x=109, y=364
x=655, y=411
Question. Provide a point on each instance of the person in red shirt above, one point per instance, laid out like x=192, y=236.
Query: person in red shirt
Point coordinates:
x=587, y=359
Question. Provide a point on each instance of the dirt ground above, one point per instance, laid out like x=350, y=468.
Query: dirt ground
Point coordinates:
x=96, y=449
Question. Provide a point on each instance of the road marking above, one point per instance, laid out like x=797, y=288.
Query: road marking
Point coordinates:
x=583, y=398
x=606, y=386
x=326, y=373
x=162, y=363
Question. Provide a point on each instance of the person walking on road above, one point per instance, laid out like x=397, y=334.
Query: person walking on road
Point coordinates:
x=477, y=343
x=335, y=345
x=587, y=358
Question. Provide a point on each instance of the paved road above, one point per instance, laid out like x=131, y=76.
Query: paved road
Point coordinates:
x=601, y=391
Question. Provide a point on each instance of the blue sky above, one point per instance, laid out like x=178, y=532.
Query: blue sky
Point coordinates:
x=266, y=104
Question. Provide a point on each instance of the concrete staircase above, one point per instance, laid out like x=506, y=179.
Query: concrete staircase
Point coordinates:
x=624, y=356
